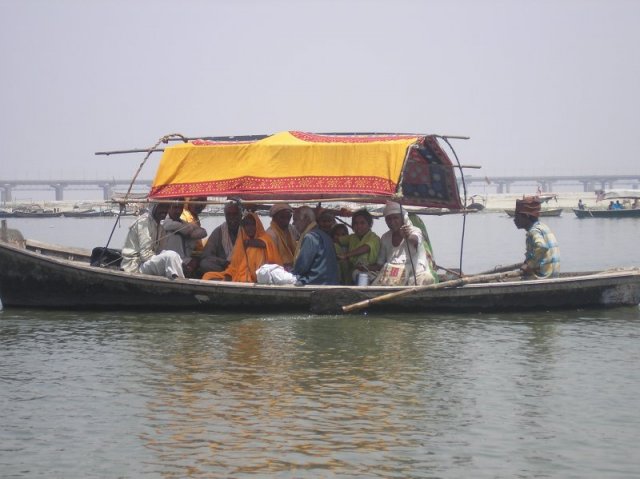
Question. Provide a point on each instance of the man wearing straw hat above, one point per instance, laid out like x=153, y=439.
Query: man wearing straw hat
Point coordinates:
x=542, y=257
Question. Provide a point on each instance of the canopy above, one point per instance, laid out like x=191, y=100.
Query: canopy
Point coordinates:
x=613, y=194
x=293, y=165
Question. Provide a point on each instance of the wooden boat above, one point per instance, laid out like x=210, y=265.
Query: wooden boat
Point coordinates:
x=88, y=213
x=35, y=213
x=39, y=275
x=545, y=210
x=596, y=213
x=477, y=202
x=627, y=212
x=301, y=167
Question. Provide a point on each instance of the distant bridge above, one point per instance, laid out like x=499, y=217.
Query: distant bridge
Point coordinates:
x=546, y=183
x=7, y=187
x=502, y=184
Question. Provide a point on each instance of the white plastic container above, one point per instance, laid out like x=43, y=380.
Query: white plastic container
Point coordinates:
x=363, y=279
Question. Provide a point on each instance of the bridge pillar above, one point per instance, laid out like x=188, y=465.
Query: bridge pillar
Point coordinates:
x=503, y=186
x=59, y=189
x=107, y=191
x=6, y=193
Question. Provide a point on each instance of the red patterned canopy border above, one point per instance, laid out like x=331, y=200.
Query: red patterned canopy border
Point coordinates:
x=299, y=187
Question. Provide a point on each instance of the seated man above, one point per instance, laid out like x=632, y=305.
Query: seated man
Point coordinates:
x=362, y=245
x=542, y=255
x=326, y=219
x=191, y=214
x=337, y=232
x=403, y=258
x=253, y=248
x=283, y=234
x=182, y=237
x=144, y=251
x=216, y=254
x=315, y=259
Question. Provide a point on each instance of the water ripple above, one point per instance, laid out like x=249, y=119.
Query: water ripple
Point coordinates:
x=176, y=395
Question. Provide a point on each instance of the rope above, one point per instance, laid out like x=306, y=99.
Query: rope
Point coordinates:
x=464, y=189
x=164, y=139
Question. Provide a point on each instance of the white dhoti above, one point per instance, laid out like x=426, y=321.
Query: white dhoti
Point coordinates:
x=166, y=263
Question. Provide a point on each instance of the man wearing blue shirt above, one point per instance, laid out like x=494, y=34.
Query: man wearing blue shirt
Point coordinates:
x=315, y=259
x=542, y=257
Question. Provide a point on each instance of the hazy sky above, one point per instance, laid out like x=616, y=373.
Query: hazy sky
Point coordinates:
x=541, y=87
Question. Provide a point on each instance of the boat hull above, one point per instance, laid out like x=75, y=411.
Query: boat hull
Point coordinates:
x=33, y=279
x=28, y=214
x=87, y=214
x=628, y=213
x=544, y=212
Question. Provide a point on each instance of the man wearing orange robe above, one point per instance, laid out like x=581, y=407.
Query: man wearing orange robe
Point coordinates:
x=253, y=248
x=283, y=233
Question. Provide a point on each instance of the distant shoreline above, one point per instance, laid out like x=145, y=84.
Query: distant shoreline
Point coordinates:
x=492, y=202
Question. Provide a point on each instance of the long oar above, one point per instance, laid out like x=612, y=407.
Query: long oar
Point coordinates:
x=479, y=278
x=502, y=269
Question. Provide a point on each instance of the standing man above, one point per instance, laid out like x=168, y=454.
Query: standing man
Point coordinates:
x=216, y=254
x=315, y=259
x=144, y=248
x=542, y=258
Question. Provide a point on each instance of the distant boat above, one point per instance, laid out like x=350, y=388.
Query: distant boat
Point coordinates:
x=614, y=213
x=477, y=202
x=625, y=213
x=90, y=213
x=545, y=210
x=35, y=212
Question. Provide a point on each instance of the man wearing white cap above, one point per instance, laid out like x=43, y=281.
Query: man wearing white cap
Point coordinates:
x=403, y=258
x=283, y=233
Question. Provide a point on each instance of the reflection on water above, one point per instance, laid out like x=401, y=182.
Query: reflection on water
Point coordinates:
x=192, y=395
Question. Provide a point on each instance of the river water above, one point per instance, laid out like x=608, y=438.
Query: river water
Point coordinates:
x=121, y=394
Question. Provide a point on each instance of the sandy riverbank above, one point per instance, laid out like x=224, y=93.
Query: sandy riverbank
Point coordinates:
x=499, y=202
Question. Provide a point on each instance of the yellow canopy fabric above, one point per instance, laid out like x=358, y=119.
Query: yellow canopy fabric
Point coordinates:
x=286, y=165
